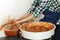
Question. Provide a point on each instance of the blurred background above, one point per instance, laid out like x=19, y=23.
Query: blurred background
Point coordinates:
x=13, y=8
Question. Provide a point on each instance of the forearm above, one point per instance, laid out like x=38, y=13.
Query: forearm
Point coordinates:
x=25, y=15
x=31, y=17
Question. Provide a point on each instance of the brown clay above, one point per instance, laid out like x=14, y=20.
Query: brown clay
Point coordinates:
x=39, y=27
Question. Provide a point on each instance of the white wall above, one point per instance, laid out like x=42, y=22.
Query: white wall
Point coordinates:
x=14, y=8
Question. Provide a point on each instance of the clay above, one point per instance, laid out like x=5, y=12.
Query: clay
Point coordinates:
x=37, y=28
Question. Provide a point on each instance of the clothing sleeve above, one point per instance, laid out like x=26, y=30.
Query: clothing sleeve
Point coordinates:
x=33, y=6
x=54, y=6
x=39, y=9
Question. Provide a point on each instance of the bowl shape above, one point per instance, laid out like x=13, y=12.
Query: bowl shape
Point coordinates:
x=11, y=31
x=28, y=34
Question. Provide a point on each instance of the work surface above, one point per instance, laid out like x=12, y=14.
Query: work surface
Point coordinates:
x=56, y=37
x=20, y=38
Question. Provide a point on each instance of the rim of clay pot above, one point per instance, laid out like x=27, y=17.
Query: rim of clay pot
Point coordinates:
x=38, y=32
